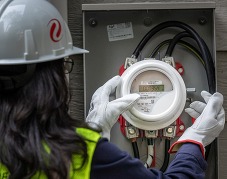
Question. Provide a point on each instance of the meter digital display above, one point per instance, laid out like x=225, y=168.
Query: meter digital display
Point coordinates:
x=151, y=85
x=151, y=88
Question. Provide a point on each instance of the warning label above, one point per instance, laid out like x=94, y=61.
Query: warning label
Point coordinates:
x=120, y=31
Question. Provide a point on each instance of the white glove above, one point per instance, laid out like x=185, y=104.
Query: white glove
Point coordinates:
x=104, y=113
x=208, y=125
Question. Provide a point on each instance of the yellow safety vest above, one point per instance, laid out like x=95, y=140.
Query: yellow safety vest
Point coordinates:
x=91, y=139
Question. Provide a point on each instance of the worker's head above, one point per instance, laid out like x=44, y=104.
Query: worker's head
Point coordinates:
x=31, y=32
x=35, y=45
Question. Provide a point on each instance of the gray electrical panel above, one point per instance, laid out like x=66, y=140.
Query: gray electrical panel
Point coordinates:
x=113, y=31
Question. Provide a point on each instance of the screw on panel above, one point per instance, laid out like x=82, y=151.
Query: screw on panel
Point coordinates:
x=181, y=127
x=180, y=70
x=202, y=20
x=93, y=22
x=131, y=131
x=151, y=132
x=147, y=21
x=169, y=130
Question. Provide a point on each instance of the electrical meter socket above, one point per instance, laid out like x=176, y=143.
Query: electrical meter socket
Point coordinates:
x=162, y=94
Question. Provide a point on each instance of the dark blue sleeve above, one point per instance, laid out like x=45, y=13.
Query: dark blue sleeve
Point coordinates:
x=188, y=163
x=109, y=162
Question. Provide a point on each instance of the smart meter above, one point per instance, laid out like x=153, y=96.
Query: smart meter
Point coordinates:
x=162, y=94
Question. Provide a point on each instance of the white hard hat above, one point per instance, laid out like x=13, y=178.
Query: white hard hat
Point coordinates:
x=33, y=31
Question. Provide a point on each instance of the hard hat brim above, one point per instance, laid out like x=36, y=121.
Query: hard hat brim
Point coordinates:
x=21, y=61
x=79, y=50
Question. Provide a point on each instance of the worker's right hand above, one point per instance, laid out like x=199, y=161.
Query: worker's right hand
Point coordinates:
x=105, y=111
x=210, y=120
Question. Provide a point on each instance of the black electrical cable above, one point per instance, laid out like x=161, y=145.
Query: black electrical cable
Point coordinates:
x=166, y=157
x=157, y=48
x=209, y=64
x=169, y=51
x=150, y=141
x=206, y=56
x=205, y=53
x=135, y=149
x=210, y=57
x=174, y=41
x=180, y=42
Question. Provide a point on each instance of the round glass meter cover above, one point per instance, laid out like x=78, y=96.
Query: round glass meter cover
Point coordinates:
x=151, y=85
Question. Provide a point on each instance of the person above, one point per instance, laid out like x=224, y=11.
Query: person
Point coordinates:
x=38, y=137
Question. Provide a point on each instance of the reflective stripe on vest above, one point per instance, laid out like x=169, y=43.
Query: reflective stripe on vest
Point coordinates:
x=91, y=139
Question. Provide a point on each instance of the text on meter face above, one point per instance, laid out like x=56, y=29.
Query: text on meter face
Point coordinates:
x=151, y=86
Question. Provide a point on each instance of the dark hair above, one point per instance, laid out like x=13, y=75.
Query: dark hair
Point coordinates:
x=35, y=116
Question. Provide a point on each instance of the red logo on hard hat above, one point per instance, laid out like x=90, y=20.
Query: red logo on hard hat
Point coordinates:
x=55, y=30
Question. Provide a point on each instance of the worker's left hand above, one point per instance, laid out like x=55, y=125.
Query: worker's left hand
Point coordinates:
x=210, y=121
x=104, y=113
